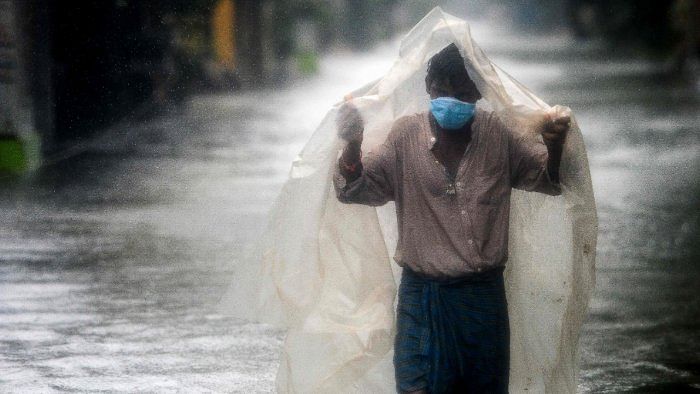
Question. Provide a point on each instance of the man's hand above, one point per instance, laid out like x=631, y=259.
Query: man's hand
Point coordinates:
x=350, y=124
x=554, y=131
x=350, y=128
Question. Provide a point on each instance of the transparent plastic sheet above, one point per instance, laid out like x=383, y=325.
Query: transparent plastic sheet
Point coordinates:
x=323, y=269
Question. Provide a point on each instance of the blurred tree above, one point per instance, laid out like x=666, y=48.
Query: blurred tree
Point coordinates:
x=685, y=21
x=367, y=21
x=663, y=29
x=645, y=23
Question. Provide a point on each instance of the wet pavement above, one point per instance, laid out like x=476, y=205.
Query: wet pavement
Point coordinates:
x=112, y=260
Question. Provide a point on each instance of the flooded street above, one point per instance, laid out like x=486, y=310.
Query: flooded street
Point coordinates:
x=112, y=260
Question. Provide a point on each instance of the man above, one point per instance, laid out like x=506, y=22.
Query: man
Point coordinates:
x=449, y=171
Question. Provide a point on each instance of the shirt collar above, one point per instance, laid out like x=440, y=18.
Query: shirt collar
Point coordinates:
x=432, y=137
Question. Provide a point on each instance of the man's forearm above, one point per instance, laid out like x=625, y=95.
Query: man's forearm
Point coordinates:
x=350, y=162
x=554, y=151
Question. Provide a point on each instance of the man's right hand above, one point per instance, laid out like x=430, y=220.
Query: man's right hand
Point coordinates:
x=349, y=123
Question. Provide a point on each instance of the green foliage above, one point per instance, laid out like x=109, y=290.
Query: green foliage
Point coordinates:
x=307, y=62
x=12, y=155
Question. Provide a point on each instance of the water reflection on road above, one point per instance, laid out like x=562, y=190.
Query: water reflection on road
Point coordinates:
x=112, y=260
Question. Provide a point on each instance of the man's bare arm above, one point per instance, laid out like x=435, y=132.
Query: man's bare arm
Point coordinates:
x=367, y=181
x=554, y=135
x=350, y=128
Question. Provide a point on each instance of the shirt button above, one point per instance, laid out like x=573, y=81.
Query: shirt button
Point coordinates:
x=464, y=212
x=471, y=241
x=478, y=269
x=459, y=183
x=432, y=139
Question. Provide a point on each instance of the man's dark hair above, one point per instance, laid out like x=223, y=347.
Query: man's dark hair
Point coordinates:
x=447, y=64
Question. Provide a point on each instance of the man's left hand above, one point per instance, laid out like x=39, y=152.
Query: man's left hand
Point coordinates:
x=554, y=130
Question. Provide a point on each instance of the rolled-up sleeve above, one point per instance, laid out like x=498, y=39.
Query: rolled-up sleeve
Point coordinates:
x=377, y=183
x=528, y=158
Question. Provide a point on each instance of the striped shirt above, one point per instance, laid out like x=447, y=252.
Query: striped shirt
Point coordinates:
x=450, y=226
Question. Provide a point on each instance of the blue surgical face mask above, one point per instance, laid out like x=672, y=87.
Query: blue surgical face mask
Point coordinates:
x=450, y=113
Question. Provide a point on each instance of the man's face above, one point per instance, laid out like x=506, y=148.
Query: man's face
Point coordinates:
x=462, y=89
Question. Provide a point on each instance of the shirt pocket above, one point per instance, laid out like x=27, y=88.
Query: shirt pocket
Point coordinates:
x=432, y=178
x=491, y=190
x=491, y=195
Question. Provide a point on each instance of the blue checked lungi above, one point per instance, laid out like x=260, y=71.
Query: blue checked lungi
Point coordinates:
x=452, y=336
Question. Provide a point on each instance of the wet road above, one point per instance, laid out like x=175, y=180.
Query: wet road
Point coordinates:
x=112, y=261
